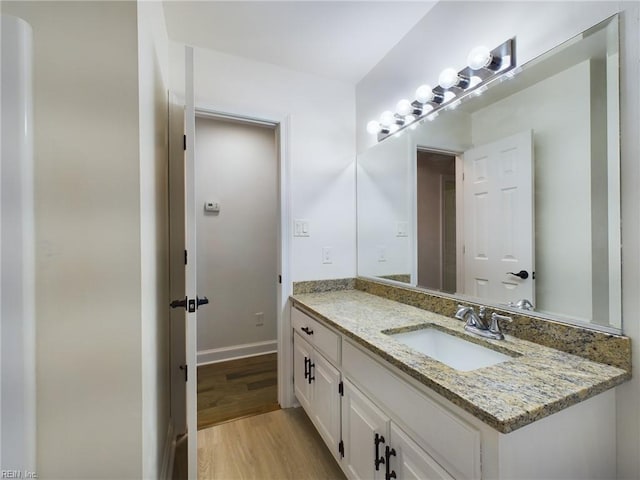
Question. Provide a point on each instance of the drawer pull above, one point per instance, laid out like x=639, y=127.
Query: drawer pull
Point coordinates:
x=311, y=378
x=388, y=453
x=307, y=330
x=378, y=439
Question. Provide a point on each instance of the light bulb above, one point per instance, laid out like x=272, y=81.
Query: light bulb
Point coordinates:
x=394, y=128
x=409, y=119
x=479, y=57
x=374, y=127
x=424, y=93
x=427, y=109
x=474, y=80
x=448, y=78
x=404, y=107
x=387, y=118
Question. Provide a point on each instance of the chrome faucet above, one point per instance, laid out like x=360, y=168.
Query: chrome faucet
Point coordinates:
x=477, y=324
x=469, y=315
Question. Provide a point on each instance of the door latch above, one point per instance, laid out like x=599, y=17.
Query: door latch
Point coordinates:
x=189, y=304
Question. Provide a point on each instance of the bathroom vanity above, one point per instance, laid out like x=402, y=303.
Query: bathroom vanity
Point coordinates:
x=386, y=410
x=473, y=208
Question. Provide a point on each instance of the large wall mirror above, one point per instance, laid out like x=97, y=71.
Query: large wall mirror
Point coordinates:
x=513, y=197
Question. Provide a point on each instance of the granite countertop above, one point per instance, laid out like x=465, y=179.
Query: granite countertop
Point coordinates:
x=537, y=382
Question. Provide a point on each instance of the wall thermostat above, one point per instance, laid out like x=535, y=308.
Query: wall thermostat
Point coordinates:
x=212, y=207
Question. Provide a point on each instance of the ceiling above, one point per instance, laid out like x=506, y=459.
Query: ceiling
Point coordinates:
x=342, y=40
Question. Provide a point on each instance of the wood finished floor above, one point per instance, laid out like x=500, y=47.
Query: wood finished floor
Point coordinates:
x=236, y=389
x=282, y=445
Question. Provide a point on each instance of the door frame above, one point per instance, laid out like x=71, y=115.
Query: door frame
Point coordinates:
x=282, y=125
x=459, y=175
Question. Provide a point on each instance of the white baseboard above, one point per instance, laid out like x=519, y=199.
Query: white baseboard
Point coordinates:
x=169, y=453
x=236, y=351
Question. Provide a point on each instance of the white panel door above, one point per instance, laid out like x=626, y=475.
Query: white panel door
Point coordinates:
x=498, y=219
x=325, y=380
x=411, y=462
x=365, y=431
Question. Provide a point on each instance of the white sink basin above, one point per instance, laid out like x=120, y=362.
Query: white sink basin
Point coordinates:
x=450, y=350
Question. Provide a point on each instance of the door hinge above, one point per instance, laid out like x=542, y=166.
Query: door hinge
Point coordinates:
x=341, y=389
x=185, y=257
x=184, y=142
x=341, y=449
x=184, y=367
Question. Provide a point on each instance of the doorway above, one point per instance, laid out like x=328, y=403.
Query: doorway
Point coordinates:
x=436, y=211
x=237, y=265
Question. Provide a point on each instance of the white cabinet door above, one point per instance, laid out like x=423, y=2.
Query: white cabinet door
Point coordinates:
x=325, y=380
x=301, y=360
x=410, y=461
x=498, y=219
x=362, y=425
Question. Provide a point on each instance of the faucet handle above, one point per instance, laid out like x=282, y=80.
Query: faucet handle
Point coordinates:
x=495, y=323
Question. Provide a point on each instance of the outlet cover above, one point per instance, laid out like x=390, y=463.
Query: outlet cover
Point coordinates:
x=327, y=256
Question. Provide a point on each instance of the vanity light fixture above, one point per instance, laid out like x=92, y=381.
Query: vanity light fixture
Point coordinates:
x=484, y=66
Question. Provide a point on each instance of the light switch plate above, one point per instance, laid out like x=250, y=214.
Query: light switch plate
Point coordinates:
x=301, y=228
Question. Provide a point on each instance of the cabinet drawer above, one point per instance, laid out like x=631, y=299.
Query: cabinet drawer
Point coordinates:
x=452, y=442
x=318, y=335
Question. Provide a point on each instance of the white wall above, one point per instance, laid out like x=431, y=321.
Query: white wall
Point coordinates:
x=321, y=146
x=539, y=26
x=236, y=165
x=153, y=79
x=100, y=216
x=87, y=207
x=384, y=198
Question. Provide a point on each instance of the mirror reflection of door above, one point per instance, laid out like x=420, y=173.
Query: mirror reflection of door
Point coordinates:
x=498, y=219
x=436, y=199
